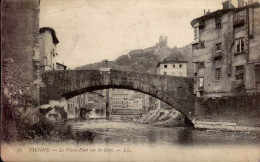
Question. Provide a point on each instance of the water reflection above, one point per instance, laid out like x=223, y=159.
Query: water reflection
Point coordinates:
x=185, y=136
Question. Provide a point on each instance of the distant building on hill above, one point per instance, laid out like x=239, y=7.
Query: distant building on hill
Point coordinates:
x=172, y=67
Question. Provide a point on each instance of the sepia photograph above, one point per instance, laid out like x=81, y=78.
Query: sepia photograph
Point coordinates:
x=130, y=80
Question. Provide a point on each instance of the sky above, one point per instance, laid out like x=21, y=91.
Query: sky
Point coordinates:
x=90, y=31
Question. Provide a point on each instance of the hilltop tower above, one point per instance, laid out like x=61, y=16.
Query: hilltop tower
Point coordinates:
x=162, y=41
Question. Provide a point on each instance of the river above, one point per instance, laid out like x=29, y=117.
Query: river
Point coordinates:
x=116, y=131
x=118, y=140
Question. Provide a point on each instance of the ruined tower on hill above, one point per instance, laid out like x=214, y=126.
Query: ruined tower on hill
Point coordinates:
x=162, y=42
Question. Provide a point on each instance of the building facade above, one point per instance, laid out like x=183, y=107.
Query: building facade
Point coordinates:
x=126, y=99
x=48, y=52
x=89, y=100
x=136, y=102
x=18, y=38
x=226, y=51
x=173, y=68
x=119, y=99
x=226, y=57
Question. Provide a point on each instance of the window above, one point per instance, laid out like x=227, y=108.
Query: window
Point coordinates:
x=195, y=46
x=201, y=24
x=45, y=61
x=202, y=44
x=240, y=45
x=165, y=73
x=165, y=66
x=239, y=72
x=52, y=53
x=201, y=82
x=218, y=22
x=217, y=74
x=218, y=47
x=200, y=65
x=180, y=65
x=195, y=33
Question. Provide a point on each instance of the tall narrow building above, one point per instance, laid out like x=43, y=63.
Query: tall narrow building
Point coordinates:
x=226, y=57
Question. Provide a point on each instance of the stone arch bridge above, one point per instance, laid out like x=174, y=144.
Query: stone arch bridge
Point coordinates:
x=175, y=91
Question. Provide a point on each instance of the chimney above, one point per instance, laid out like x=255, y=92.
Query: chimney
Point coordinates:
x=227, y=4
x=204, y=12
x=250, y=2
x=240, y=3
x=208, y=12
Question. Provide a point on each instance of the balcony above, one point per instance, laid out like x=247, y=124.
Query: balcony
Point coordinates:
x=239, y=22
x=237, y=84
x=218, y=54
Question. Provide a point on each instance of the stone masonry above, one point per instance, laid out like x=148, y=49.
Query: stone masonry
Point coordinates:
x=175, y=91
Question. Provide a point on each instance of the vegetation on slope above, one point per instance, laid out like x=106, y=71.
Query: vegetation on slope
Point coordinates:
x=145, y=60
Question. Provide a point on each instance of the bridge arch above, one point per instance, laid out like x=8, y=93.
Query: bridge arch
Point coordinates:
x=175, y=91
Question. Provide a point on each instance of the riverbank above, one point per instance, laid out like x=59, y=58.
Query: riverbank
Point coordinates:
x=163, y=118
x=223, y=126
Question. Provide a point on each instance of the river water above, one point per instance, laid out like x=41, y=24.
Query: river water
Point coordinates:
x=117, y=131
x=118, y=140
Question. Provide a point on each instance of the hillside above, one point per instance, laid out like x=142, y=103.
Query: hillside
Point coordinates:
x=146, y=60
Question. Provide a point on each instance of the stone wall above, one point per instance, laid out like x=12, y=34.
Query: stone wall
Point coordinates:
x=20, y=25
x=240, y=110
x=175, y=91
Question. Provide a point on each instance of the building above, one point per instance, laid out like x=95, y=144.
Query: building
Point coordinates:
x=226, y=61
x=18, y=37
x=56, y=114
x=136, y=102
x=47, y=48
x=60, y=66
x=172, y=67
x=226, y=51
x=89, y=100
x=119, y=99
x=127, y=99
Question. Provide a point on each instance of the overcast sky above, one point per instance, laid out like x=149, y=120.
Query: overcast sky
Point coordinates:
x=93, y=30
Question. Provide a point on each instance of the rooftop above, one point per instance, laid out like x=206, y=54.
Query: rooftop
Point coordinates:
x=221, y=12
x=53, y=34
x=61, y=64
